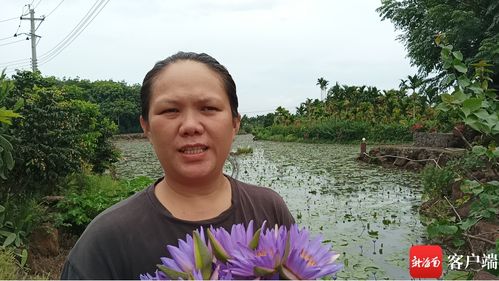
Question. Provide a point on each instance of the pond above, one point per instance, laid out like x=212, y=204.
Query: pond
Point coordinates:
x=369, y=214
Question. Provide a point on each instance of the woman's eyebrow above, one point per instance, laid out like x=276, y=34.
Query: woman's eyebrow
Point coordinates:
x=167, y=100
x=208, y=99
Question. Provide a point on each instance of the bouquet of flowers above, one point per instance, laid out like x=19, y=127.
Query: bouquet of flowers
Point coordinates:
x=275, y=253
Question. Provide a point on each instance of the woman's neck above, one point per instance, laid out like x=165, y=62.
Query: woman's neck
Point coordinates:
x=194, y=201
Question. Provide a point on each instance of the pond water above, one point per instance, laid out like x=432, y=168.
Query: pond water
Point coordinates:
x=368, y=213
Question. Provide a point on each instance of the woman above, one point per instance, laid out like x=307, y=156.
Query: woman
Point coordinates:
x=189, y=114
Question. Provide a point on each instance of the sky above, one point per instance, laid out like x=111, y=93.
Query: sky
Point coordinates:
x=274, y=49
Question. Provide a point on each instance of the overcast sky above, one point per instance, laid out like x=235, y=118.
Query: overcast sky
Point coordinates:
x=275, y=49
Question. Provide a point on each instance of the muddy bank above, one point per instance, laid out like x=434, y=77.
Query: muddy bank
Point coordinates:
x=412, y=158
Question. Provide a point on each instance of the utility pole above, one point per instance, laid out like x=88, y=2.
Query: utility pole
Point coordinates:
x=32, y=18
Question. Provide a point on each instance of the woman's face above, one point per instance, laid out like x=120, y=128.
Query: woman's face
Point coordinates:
x=190, y=123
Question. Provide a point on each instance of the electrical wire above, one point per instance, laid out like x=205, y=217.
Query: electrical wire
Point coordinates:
x=8, y=19
x=12, y=42
x=36, y=4
x=89, y=17
x=19, y=64
x=75, y=35
x=70, y=34
x=54, y=9
x=5, y=38
x=13, y=62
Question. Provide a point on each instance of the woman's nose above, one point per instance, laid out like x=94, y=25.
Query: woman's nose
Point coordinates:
x=191, y=124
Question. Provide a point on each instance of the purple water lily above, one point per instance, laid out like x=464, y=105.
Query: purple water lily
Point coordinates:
x=225, y=244
x=264, y=260
x=190, y=260
x=266, y=254
x=308, y=258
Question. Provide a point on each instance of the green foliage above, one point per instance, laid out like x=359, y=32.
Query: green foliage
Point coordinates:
x=475, y=104
x=57, y=135
x=350, y=113
x=470, y=26
x=117, y=101
x=487, y=204
x=472, y=100
x=9, y=266
x=437, y=182
x=6, y=148
x=19, y=215
x=88, y=195
x=340, y=131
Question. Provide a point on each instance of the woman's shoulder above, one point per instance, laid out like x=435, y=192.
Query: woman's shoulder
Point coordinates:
x=261, y=204
x=256, y=193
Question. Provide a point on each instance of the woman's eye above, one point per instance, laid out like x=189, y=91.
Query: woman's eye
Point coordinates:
x=169, y=110
x=210, y=108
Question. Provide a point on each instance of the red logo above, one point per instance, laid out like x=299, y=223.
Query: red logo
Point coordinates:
x=425, y=261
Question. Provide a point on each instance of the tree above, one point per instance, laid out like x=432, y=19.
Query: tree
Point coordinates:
x=6, y=116
x=56, y=137
x=323, y=85
x=470, y=26
x=282, y=116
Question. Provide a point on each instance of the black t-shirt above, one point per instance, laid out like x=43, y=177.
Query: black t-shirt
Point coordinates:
x=129, y=238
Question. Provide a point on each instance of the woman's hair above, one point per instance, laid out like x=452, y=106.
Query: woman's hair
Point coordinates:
x=213, y=64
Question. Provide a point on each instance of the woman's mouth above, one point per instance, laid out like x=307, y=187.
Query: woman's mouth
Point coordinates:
x=193, y=149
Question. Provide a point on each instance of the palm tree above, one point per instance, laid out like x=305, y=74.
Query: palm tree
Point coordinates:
x=415, y=82
x=323, y=85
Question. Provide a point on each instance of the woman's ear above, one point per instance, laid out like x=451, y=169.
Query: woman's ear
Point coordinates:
x=145, y=127
x=236, y=123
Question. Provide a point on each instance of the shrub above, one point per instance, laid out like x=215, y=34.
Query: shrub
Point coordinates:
x=88, y=195
x=336, y=130
x=55, y=138
x=19, y=215
x=9, y=267
x=437, y=182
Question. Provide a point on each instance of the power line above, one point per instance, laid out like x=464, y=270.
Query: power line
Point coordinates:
x=13, y=63
x=12, y=42
x=5, y=38
x=9, y=19
x=54, y=9
x=84, y=23
x=89, y=17
x=36, y=4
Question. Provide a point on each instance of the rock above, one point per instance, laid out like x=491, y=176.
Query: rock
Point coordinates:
x=422, y=155
x=413, y=165
x=44, y=240
x=399, y=162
